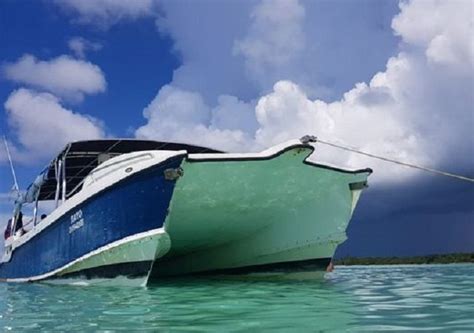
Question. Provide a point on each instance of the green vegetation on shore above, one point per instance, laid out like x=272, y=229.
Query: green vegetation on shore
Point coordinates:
x=429, y=259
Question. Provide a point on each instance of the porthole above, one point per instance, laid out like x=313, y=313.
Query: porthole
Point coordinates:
x=128, y=170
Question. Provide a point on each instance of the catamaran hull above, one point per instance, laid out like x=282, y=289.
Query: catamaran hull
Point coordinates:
x=258, y=212
x=131, y=258
x=115, y=232
x=233, y=213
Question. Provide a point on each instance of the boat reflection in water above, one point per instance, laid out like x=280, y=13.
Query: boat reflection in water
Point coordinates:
x=145, y=209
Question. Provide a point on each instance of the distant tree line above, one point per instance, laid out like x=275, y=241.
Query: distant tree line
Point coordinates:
x=429, y=259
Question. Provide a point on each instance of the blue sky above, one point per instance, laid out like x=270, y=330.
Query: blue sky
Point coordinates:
x=39, y=28
x=392, y=78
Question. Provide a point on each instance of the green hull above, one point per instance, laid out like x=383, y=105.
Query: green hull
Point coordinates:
x=241, y=211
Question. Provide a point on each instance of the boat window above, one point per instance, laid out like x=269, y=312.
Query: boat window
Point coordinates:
x=78, y=159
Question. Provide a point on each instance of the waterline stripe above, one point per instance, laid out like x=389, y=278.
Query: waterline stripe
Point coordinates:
x=112, y=245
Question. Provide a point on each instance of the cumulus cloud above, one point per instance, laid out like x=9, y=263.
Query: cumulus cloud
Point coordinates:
x=265, y=73
x=80, y=46
x=203, y=33
x=107, y=12
x=274, y=42
x=183, y=116
x=238, y=36
x=221, y=42
x=418, y=108
x=64, y=76
x=443, y=29
x=372, y=126
x=43, y=126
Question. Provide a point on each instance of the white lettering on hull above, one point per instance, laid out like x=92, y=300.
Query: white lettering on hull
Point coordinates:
x=77, y=221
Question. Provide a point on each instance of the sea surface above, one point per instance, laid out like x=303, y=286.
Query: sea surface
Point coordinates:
x=351, y=299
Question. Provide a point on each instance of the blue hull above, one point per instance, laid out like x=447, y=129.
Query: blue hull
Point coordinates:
x=134, y=205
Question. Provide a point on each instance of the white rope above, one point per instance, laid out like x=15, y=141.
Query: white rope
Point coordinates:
x=438, y=172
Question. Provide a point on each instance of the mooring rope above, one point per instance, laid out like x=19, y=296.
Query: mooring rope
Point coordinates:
x=410, y=165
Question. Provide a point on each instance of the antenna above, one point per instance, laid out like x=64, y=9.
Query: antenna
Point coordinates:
x=16, y=187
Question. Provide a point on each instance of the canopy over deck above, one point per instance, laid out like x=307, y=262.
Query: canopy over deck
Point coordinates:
x=81, y=157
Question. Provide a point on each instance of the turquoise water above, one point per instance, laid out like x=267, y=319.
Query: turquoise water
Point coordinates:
x=363, y=298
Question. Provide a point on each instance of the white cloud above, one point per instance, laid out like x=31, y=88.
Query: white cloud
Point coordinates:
x=183, y=116
x=418, y=109
x=80, y=46
x=107, y=12
x=174, y=109
x=234, y=114
x=275, y=41
x=203, y=34
x=42, y=126
x=219, y=42
x=63, y=76
x=442, y=28
x=367, y=118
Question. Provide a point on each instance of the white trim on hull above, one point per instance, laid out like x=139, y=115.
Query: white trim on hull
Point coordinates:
x=105, y=176
x=146, y=246
x=228, y=211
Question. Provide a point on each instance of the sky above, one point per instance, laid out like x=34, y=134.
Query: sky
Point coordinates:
x=393, y=78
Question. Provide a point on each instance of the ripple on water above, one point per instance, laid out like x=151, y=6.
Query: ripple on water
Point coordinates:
x=362, y=298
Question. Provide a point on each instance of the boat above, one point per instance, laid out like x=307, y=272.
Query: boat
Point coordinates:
x=144, y=210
